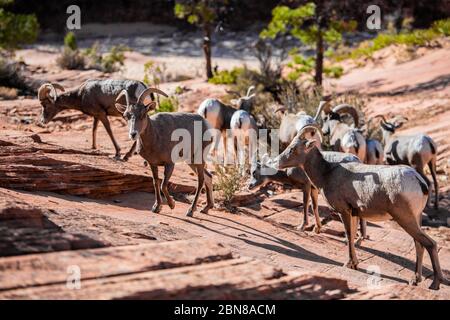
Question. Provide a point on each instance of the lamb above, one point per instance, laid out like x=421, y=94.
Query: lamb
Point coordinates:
x=94, y=97
x=416, y=151
x=297, y=178
x=155, y=136
x=219, y=114
x=343, y=137
x=372, y=192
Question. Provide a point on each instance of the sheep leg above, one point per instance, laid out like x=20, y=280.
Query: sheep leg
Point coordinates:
x=106, y=124
x=350, y=223
x=412, y=227
x=362, y=231
x=94, y=133
x=432, y=166
x=306, y=196
x=130, y=152
x=156, y=186
x=419, y=259
x=209, y=192
x=200, y=181
x=315, y=208
x=168, y=170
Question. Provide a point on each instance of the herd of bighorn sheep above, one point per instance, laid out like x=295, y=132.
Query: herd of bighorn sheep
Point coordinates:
x=352, y=176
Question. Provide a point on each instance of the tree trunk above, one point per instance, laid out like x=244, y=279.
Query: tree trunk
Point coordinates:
x=319, y=58
x=207, y=50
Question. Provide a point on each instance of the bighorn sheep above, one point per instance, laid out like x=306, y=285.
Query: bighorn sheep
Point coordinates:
x=244, y=132
x=292, y=123
x=94, y=97
x=219, y=114
x=297, y=178
x=416, y=151
x=371, y=192
x=155, y=143
x=343, y=137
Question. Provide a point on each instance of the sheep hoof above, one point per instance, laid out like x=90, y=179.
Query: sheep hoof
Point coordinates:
x=351, y=265
x=317, y=229
x=415, y=281
x=205, y=209
x=156, y=208
x=171, y=203
x=117, y=157
x=435, y=285
x=302, y=227
x=190, y=212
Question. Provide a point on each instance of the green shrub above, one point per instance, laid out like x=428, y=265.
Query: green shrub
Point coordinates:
x=412, y=38
x=17, y=29
x=154, y=73
x=226, y=76
x=168, y=105
x=70, y=41
x=442, y=27
x=112, y=61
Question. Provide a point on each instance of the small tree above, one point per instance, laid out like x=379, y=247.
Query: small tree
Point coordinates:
x=204, y=14
x=16, y=29
x=315, y=23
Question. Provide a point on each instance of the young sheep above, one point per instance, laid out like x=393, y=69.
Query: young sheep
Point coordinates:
x=155, y=143
x=416, y=151
x=371, y=192
x=343, y=137
x=219, y=114
x=297, y=178
x=94, y=97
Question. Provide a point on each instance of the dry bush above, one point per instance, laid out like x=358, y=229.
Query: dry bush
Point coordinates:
x=228, y=181
x=12, y=75
x=71, y=59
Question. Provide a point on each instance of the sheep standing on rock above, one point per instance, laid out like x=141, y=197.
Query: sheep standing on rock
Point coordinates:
x=372, y=192
x=154, y=137
x=95, y=98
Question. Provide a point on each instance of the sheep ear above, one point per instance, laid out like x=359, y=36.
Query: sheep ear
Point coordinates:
x=151, y=105
x=120, y=107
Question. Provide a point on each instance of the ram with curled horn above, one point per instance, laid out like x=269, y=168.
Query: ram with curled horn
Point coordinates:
x=342, y=137
x=156, y=141
x=417, y=150
x=95, y=98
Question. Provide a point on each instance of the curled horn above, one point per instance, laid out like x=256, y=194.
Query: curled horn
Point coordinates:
x=383, y=119
x=281, y=109
x=58, y=86
x=44, y=90
x=310, y=127
x=124, y=93
x=148, y=91
x=249, y=91
x=323, y=106
x=346, y=108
